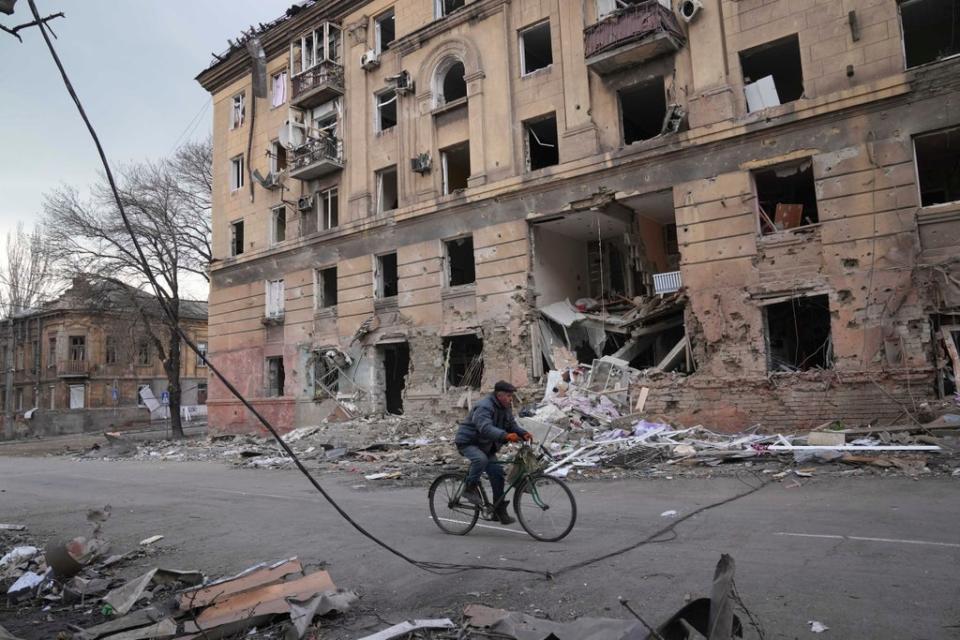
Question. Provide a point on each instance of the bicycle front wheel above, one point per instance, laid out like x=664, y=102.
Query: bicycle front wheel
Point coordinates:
x=545, y=508
x=452, y=513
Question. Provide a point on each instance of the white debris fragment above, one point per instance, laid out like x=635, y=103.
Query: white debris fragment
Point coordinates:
x=669, y=514
x=817, y=626
x=148, y=541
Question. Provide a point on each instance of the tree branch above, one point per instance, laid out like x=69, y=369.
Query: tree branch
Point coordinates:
x=33, y=23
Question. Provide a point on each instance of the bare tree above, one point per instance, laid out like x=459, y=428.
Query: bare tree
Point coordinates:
x=168, y=205
x=26, y=277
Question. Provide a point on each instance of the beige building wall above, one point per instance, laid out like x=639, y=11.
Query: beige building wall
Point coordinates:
x=853, y=123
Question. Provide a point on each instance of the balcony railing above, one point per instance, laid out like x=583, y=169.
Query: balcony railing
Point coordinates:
x=668, y=282
x=317, y=157
x=630, y=36
x=73, y=368
x=317, y=85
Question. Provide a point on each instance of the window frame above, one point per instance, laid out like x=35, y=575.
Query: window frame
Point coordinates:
x=238, y=110
x=448, y=262
x=202, y=348
x=523, y=56
x=444, y=167
x=234, y=237
x=440, y=12
x=328, y=217
x=380, y=174
x=275, y=216
x=378, y=280
x=237, y=171
x=320, y=303
x=378, y=45
x=379, y=103
x=274, y=298
x=273, y=84
x=276, y=151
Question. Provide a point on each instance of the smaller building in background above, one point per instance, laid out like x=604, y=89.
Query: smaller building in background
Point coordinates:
x=78, y=363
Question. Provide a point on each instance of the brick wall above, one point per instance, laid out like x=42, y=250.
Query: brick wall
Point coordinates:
x=789, y=402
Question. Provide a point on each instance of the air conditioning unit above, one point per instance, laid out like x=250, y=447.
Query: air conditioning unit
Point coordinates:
x=689, y=9
x=370, y=60
x=421, y=163
x=305, y=203
x=402, y=82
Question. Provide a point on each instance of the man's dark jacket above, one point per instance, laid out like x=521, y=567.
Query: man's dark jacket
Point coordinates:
x=487, y=425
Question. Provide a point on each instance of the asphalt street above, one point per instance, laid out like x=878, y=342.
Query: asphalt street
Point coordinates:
x=869, y=557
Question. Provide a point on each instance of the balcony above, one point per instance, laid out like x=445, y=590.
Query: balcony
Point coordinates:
x=73, y=369
x=317, y=157
x=317, y=85
x=631, y=36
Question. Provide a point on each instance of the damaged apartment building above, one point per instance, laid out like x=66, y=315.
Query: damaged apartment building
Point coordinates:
x=755, y=204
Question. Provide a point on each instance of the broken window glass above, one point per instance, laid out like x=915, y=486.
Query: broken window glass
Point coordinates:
x=386, y=110
x=445, y=7
x=275, y=377
x=463, y=360
x=536, y=50
x=454, y=86
x=938, y=166
x=387, y=198
x=786, y=196
x=279, y=231
x=643, y=108
x=236, y=173
x=238, y=111
x=798, y=334
x=541, y=143
x=326, y=288
x=328, y=209
x=772, y=73
x=461, y=267
x=387, y=276
x=931, y=30
x=275, y=298
x=385, y=30
x=456, y=167
x=236, y=238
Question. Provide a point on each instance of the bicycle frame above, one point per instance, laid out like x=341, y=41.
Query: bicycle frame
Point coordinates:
x=520, y=479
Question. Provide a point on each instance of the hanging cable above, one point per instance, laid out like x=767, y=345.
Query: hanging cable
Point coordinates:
x=438, y=568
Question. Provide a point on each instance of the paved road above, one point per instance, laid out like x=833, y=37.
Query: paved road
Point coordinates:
x=868, y=557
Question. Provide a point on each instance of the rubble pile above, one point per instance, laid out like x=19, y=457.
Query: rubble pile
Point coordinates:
x=591, y=420
x=73, y=591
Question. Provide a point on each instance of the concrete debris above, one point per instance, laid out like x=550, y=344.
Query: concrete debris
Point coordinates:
x=6, y=635
x=123, y=598
x=146, y=542
x=12, y=527
x=101, y=599
x=817, y=627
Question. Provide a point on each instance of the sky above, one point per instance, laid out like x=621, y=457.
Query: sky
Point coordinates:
x=133, y=64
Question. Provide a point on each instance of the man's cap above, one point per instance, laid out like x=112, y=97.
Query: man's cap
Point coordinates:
x=503, y=385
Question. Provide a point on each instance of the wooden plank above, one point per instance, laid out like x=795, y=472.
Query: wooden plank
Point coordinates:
x=219, y=590
x=271, y=599
x=788, y=216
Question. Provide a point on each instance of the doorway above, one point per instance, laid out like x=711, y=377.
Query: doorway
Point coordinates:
x=396, y=365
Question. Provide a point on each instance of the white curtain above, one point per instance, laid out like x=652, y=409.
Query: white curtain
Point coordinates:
x=279, y=89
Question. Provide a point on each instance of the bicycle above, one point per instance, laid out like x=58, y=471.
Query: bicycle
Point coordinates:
x=544, y=505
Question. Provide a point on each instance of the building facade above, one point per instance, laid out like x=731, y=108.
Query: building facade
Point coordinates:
x=79, y=362
x=755, y=202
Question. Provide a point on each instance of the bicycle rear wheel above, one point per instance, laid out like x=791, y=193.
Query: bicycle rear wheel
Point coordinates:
x=545, y=507
x=449, y=510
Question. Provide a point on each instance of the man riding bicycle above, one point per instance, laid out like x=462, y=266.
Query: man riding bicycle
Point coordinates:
x=489, y=425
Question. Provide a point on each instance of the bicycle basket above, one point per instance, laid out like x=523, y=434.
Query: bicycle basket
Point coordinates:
x=525, y=462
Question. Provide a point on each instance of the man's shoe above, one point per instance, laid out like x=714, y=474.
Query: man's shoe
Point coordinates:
x=502, y=514
x=472, y=495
